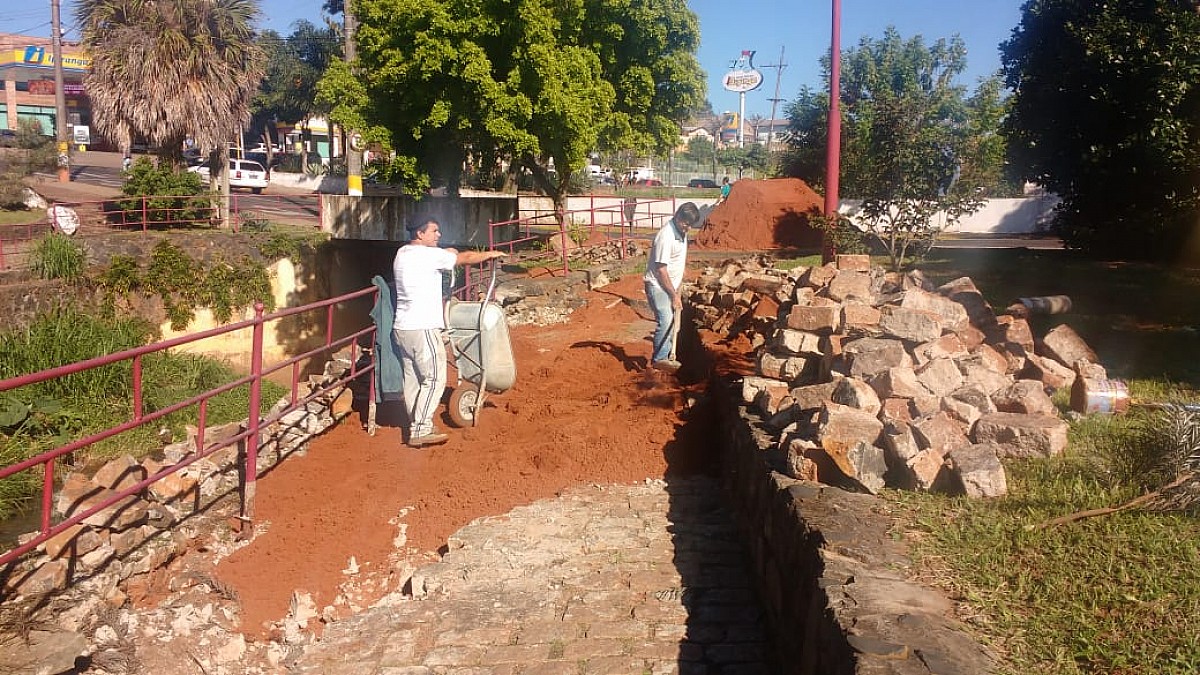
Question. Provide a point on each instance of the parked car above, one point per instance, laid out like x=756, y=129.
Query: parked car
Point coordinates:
x=243, y=173
x=8, y=138
x=702, y=183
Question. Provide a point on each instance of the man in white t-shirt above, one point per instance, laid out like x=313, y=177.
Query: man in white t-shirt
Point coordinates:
x=420, y=323
x=664, y=281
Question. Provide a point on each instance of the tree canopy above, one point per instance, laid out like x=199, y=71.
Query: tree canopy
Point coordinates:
x=294, y=66
x=166, y=70
x=913, y=143
x=1106, y=114
x=533, y=84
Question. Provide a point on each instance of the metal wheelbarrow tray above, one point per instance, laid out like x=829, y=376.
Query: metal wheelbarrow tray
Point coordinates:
x=482, y=354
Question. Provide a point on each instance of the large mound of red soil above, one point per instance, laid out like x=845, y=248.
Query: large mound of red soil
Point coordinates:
x=763, y=214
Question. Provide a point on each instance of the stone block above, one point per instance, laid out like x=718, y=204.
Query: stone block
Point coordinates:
x=847, y=285
x=180, y=486
x=939, y=432
x=977, y=470
x=1090, y=371
x=990, y=358
x=896, y=409
x=73, y=541
x=985, y=378
x=119, y=473
x=963, y=291
x=971, y=336
x=917, y=279
x=898, y=382
x=817, y=319
x=813, y=396
x=862, y=463
x=953, y=315
x=819, y=277
x=949, y=345
x=853, y=262
x=961, y=411
x=1022, y=435
x=803, y=296
x=786, y=368
x=940, y=376
x=841, y=427
x=924, y=471
x=1047, y=371
x=1065, y=346
x=1024, y=396
x=866, y=357
x=861, y=318
x=855, y=393
x=924, y=406
x=1013, y=329
x=974, y=396
x=807, y=461
x=900, y=443
x=913, y=325
x=1014, y=357
x=797, y=342
x=752, y=387
x=764, y=284
x=47, y=577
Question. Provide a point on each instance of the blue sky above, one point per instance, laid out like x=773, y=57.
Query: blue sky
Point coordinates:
x=800, y=27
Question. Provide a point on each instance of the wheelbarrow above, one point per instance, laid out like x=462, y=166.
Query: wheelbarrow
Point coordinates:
x=482, y=354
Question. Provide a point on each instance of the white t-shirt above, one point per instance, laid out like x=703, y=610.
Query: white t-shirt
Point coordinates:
x=669, y=248
x=418, y=273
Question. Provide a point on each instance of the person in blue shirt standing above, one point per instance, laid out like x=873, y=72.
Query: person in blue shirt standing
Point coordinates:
x=664, y=282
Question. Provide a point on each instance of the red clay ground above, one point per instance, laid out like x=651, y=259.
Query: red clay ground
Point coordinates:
x=584, y=410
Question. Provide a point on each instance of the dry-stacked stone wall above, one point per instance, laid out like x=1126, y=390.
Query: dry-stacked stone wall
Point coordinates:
x=866, y=379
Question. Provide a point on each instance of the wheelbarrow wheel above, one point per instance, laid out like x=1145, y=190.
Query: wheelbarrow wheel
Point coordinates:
x=463, y=403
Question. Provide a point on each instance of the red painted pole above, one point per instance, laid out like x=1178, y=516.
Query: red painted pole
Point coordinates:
x=254, y=414
x=834, y=149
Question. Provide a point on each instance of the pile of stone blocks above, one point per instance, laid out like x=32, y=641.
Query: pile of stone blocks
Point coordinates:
x=875, y=378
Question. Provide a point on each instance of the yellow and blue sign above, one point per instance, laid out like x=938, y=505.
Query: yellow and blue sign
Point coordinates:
x=35, y=56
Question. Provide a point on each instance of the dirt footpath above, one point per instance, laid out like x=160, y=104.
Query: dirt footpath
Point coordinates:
x=584, y=410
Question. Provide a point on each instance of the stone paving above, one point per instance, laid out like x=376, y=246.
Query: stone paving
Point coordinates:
x=648, y=579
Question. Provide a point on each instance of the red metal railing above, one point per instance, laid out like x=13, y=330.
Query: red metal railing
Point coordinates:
x=146, y=213
x=255, y=420
x=618, y=221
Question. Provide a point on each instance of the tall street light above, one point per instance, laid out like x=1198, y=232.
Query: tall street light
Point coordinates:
x=60, y=101
x=833, y=151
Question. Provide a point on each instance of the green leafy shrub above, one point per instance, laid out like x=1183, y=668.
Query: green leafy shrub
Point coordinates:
x=186, y=284
x=841, y=233
x=170, y=196
x=57, y=256
x=252, y=221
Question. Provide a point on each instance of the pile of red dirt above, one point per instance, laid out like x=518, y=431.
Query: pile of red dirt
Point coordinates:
x=763, y=214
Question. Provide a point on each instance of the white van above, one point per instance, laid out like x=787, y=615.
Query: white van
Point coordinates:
x=639, y=173
x=243, y=173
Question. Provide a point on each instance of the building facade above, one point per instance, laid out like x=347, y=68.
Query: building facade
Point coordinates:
x=27, y=69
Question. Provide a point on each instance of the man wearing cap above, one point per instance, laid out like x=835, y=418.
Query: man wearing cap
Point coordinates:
x=420, y=322
x=664, y=281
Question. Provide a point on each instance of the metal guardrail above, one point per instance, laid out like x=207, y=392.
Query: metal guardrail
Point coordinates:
x=254, y=419
x=154, y=212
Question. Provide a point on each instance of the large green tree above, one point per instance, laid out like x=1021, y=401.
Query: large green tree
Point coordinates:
x=1106, y=114
x=914, y=145
x=167, y=70
x=532, y=84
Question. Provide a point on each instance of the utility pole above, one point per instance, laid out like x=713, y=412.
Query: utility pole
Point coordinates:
x=60, y=100
x=774, y=101
x=353, y=150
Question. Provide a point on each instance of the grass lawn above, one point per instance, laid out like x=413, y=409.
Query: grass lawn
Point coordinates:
x=1113, y=594
x=21, y=217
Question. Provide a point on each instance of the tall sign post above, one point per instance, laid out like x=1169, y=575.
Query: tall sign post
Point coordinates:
x=833, y=151
x=60, y=100
x=741, y=78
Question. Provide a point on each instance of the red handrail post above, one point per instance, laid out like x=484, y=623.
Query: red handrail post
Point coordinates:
x=47, y=495
x=254, y=414
x=145, y=217
x=137, y=387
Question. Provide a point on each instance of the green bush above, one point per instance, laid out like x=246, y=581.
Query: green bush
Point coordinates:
x=57, y=256
x=173, y=197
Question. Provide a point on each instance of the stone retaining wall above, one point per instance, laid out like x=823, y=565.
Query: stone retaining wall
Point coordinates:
x=830, y=574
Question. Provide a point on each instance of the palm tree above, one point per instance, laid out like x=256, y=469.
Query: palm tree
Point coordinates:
x=167, y=70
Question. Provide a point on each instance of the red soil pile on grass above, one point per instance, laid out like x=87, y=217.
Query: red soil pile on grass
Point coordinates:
x=763, y=214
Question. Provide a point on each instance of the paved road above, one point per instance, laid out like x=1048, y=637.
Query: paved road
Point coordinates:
x=612, y=580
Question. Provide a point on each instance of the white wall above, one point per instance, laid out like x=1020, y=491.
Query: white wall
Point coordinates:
x=1023, y=215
